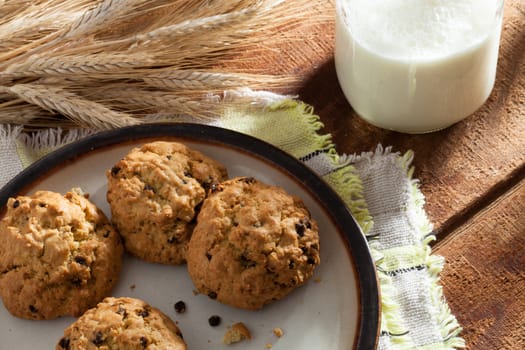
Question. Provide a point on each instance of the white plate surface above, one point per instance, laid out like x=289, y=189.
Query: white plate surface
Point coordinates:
x=325, y=313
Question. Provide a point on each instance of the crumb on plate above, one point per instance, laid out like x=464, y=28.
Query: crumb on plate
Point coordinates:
x=236, y=333
x=278, y=332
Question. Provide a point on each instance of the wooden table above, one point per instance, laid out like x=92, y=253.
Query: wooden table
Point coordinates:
x=472, y=174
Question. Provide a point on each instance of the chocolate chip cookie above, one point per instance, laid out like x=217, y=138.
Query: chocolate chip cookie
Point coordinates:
x=154, y=193
x=122, y=324
x=59, y=255
x=253, y=244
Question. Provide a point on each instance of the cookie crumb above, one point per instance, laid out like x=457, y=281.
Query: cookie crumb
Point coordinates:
x=236, y=333
x=317, y=280
x=80, y=192
x=132, y=287
x=268, y=346
x=278, y=332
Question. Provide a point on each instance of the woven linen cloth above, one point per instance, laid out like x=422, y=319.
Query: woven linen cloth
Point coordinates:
x=377, y=187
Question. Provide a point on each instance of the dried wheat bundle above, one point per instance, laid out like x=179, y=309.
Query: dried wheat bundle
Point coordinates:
x=110, y=63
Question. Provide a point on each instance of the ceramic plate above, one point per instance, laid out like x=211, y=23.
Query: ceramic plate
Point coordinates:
x=337, y=309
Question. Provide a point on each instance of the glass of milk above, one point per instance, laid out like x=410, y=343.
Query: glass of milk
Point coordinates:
x=417, y=66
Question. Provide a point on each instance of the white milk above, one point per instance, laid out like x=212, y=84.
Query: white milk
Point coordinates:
x=417, y=65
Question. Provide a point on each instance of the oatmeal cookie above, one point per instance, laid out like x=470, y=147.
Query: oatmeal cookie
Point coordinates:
x=122, y=324
x=59, y=255
x=253, y=244
x=154, y=193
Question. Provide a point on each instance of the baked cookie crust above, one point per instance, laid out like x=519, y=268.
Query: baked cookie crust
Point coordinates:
x=155, y=193
x=59, y=255
x=253, y=244
x=122, y=324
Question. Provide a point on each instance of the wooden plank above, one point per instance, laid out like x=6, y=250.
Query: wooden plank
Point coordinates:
x=484, y=276
x=458, y=167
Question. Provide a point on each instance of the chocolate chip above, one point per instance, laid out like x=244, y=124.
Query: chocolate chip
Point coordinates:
x=302, y=225
x=212, y=295
x=16, y=204
x=143, y=313
x=188, y=173
x=300, y=228
x=80, y=260
x=122, y=311
x=115, y=170
x=179, y=334
x=76, y=281
x=98, y=339
x=214, y=320
x=168, y=156
x=246, y=263
x=310, y=261
x=42, y=205
x=33, y=309
x=307, y=223
x=208, y=256
x=172, y=240
x=180, y=307
x=64, y=343
x=215, y=187
x=291, y=264
x=106, y=234
x=149, y=188
x=248, y=180
x=144, y=342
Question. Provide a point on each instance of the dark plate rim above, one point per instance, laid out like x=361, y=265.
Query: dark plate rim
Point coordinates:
x=335, y=206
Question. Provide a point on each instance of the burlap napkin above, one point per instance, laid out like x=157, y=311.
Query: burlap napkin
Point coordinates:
x=377, y=187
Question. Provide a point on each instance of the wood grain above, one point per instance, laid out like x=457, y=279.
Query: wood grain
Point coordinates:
x=461, y=168
x=484, y=274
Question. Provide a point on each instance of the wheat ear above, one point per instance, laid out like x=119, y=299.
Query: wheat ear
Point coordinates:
x=23, y=114
x=142, y=102
x=186, y=79
x=84, y=112
x=94, y=64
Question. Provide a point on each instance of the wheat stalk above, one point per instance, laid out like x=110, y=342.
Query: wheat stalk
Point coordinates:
x=101, y=63
x=23, y=113
x=84, y=112
x=110, y=63
x=180, y=79
x=139, y=102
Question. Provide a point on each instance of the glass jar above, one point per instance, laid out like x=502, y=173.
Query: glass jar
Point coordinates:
x=417, y=66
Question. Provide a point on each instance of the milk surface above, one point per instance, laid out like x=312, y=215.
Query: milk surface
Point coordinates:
x=417, y=65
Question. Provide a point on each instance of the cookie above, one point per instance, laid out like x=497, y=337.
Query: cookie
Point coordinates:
x=154, y=193
x=122, y=324
x=253, y=244
x=59, y=255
